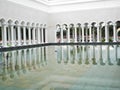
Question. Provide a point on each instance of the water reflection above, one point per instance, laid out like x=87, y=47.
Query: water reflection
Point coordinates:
x=15, y=63
x=96, y=55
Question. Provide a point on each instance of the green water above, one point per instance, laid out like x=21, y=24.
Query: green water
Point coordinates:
x=61, y=68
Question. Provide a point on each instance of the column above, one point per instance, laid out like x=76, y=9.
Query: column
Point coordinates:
x=38, y=33
x=106, y=33
x=42, y=33
x=33, y=33
x=10, y=22
x=61, y=34
x=18, y=32
x=68, y=34
x=82, y=33
x=86, y=35
x=4, y=33
x=24, y=32
x=75, y=34
x=90, y=33
x=98, y=34
x=29, y=33
x=114, y=33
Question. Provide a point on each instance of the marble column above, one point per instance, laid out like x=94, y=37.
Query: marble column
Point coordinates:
x=10, y=22
x=106, y=33
x=38, y=33
x=18, y=33
x=24, y=32
x=61, y=34
x=75, y=38
x=4, y=32
x=68, y=34
x=83, y=34
x=29, y=33
x=98, y=33
x=90, y=33
x=42, y=39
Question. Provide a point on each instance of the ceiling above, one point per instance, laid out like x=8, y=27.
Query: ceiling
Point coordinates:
x=53, y=6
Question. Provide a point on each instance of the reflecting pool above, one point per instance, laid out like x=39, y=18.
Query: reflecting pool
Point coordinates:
x=70, y=67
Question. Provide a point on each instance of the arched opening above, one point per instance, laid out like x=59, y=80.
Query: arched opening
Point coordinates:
x=110, y=31
x=118, y=30
x=94, y=31
x=79, y=32
x=58, y=30
x=72, y=32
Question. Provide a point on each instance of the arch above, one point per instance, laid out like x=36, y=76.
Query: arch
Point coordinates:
x=118, y=30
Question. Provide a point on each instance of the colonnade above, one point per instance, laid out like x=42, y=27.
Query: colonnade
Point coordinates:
x=22, y=33
x=86, y=32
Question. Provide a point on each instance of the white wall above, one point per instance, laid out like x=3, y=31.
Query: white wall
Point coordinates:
x=9, y=10
x=97, y=15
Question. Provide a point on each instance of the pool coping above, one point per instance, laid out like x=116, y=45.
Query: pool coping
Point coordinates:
x=3, y=49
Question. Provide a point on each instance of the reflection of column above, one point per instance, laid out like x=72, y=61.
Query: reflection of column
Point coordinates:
x=75, y=34
x=87, y=59
x=12, y=32
x=24, y=32
x=82, y=33
x=18, y=33
x=18, y=62
x=106, y=33
x=5, y=71
x=93, y=58
x=115, y=48
x=101, y=59
x=108, y=56
x=114, y=32
x=65, y=54
x=34, y=58
x=59, y=54
x=29, y=33
x=4, y=33
x=12, y=64
x=33, y=33
x=30, y=59
x=80, y=55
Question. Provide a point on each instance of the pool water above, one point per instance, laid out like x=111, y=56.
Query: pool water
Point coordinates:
x=71, y=67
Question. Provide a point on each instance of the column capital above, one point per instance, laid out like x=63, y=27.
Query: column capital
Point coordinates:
x=23, y=23
x=44, y=25
x=41, y=25
x=2, y=21
x=33, y=24
x=28, y=23
x=10, y=22
x=37, y=24
x=17, y=22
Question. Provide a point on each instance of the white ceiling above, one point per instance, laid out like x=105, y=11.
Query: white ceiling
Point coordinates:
x=53, y=6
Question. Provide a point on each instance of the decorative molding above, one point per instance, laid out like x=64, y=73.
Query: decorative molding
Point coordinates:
x=55, y=6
